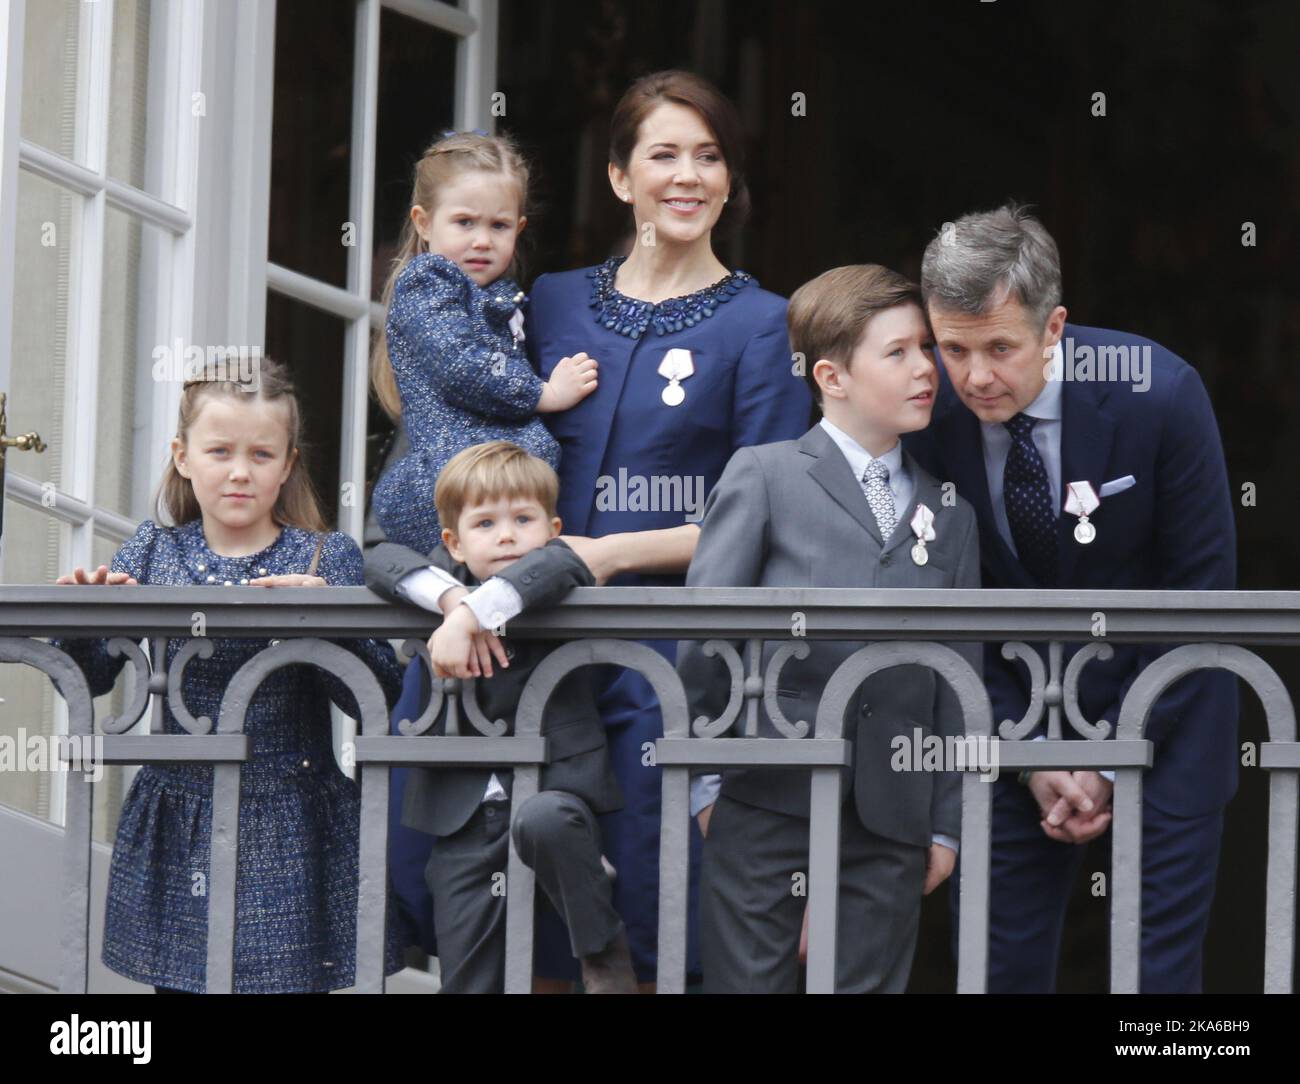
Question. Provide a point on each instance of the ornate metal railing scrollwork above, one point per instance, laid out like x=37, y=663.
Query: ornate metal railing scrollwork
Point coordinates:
x=738, y=697
x=420, y=725
x=203, y=648
x=142, y=684
x=799, y=649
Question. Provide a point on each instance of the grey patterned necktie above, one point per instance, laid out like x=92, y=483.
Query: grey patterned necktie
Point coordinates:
x=875, y=484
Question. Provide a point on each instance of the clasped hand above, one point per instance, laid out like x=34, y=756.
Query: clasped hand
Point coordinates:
x=1075, y=806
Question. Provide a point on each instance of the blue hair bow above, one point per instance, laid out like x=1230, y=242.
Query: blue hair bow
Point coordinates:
x=447, y=133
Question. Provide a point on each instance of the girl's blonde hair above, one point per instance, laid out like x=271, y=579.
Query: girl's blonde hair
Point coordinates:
x=297, y=504
x=452, y=155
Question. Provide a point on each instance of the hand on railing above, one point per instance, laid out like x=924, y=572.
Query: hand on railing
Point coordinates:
x=459, y=648
x=288, y=579
x=100, y=576
x=1075, y=805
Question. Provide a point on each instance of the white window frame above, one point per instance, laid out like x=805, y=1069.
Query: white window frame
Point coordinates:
x=475, y=28
x=175, y=42
x=175, y=58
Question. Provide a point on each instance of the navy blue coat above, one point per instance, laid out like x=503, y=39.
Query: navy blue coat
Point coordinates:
x=1173, y=529
x=743, y=392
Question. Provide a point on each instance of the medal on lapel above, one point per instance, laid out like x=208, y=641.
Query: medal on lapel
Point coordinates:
x=923, y=527
x=676, y=367
x=1082, y=501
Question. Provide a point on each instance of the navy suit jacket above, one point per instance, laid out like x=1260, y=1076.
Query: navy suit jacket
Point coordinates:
x=1173, y=529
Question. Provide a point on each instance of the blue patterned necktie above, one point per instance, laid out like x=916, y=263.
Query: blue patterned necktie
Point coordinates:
x=1028, y=499
x=875, y=484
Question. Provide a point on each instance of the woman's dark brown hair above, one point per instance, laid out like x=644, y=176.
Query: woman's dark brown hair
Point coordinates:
x=714, y=108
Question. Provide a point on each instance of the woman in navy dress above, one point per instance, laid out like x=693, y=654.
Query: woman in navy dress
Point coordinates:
x=694, y=363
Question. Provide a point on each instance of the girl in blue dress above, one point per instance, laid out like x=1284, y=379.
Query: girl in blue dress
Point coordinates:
x=451, y=366
x=245, y=515
x=695, y=362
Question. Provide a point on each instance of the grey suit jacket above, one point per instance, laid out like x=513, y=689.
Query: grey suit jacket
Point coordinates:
x=440, y=800
x=793, y=515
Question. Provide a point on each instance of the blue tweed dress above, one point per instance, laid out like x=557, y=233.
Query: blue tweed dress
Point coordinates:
x=299, y=819
x=463, y=378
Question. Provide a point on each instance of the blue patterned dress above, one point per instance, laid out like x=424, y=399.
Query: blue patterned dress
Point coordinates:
x=299, y=816
x=464, y=379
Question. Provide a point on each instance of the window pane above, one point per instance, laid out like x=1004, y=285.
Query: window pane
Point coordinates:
x=417, y=100
x=128, y=112
x=132, y=251
x=44, y=246
x=27, y=699
x=311, y=343
x=51, y=37
x=311, y=137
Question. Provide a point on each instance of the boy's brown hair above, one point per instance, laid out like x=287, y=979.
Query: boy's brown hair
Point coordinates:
x=492, y=470
x=828, y=315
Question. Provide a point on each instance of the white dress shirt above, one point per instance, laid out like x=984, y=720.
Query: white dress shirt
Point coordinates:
x=1047, y=439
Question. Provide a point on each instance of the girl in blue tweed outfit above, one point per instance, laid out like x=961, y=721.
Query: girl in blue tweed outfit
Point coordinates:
x=452, y=362
x=246, y=516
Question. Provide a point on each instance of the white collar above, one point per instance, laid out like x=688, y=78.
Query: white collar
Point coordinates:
x=859, y=458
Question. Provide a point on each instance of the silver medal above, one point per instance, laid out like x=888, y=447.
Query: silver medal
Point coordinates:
x=675, y=367
x=1082, y=500
x=922, y=526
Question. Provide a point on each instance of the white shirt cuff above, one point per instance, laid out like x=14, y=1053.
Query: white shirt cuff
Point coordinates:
x=704, y=792
x=494, y=603
x=947, y=841
x=424, y=586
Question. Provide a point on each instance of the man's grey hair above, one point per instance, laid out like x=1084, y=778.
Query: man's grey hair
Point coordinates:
x=975, y=263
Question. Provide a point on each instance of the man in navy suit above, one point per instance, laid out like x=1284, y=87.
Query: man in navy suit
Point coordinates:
x=1029, y=408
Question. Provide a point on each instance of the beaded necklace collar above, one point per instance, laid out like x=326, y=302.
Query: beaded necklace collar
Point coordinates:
x=630, y=316
x=208, y=561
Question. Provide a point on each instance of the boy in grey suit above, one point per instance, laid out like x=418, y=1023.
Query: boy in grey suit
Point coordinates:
x=843, y=506
x=500, y=558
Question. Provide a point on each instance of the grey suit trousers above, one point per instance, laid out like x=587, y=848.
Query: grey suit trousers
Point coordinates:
x=750, y=915
x=557, y=837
